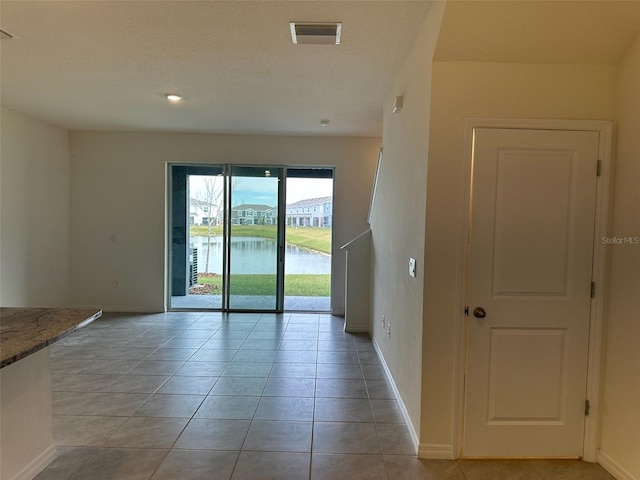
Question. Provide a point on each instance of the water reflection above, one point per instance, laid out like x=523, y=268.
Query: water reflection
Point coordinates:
x=257, y=255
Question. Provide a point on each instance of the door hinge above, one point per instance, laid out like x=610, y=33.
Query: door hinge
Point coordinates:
x=587, y=408
x=593, y=289
x=599, y=168
x=466, y=311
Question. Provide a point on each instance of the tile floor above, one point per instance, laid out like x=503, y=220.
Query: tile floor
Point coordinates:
x=208, y=396
x=299, y=303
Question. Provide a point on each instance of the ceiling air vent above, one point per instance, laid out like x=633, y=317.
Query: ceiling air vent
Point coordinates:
x=315, y=33
x=4, y=35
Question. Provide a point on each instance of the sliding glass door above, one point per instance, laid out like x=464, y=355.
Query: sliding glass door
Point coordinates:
x=226, y=241
x=255, y=239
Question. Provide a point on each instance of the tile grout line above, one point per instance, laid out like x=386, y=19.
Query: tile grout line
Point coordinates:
x=315, y=396
x=262, y=395
x=375, y=423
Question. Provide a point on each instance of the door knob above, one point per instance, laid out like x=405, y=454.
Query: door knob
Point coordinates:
x=479, y=312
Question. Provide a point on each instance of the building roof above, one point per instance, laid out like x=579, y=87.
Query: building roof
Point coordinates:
x=309, y=202
x=252, y=206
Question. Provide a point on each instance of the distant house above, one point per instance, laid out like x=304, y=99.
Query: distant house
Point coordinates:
x=312, y=212
x=199, y=213
x=252, y=214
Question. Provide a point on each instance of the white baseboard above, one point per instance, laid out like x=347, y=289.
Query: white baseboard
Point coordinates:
x=613, y=467
x=122, y=309
x=403, y=409
x=436, y=451
x=360, y=329
x=30, y=471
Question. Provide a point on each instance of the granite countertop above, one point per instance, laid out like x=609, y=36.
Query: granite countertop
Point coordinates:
x=24, y=331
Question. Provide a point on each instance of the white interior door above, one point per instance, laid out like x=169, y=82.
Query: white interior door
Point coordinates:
x=530, y=271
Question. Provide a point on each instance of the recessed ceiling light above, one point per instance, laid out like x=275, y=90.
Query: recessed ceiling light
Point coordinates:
x=324, y=123
x=172, y=97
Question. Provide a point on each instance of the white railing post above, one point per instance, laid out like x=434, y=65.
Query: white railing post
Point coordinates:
x=357, y=283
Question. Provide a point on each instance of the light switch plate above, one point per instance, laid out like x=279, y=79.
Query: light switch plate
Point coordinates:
x=412, y=267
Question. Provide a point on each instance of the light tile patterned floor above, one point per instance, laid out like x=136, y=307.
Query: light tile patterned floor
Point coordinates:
x=242, y=396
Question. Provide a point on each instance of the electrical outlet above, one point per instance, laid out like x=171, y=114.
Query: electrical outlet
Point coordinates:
x=389, y=330
x=384, y=322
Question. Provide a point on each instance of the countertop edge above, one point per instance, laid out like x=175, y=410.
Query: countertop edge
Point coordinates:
x=25, y=353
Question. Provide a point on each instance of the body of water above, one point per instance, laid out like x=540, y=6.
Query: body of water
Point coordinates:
x=258, y=255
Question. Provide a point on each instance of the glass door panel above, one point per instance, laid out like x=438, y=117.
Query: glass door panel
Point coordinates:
x=197, y=240
x=255, y=278
x=206, y=237
x=309, y=223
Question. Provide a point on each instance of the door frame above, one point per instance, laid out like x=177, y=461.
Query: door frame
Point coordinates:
x=227, y=170
x=281, y=238
x=604, y=129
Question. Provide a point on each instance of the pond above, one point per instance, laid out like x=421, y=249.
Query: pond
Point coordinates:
x=258, y=255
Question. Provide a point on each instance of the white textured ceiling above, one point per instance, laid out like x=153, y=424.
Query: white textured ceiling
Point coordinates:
x=105, y=65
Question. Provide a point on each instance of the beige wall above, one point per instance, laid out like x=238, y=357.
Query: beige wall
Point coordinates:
x=118, y=193
x=34, y=212
x=26, y=435
x=399, y=219
x=489, y=90
x=620, y=436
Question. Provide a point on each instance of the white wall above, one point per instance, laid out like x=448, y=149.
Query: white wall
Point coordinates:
x=399, y=219
x=620, y=437
x=118, y=193
x=26, y=417
x=489, y=90
x=34, y=212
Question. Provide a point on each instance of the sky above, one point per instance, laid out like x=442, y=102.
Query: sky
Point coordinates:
x=263, y=191
x=303, y=188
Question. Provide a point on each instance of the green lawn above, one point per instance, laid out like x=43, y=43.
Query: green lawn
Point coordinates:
x=266, y=231
x=313, y=238
x=307, y=285
x=294, y=285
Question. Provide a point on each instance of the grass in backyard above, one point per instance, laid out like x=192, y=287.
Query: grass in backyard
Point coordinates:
x=307, y=285
x=265, y=231
x=203, y=230
x=294, y=285
x=313, y=238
